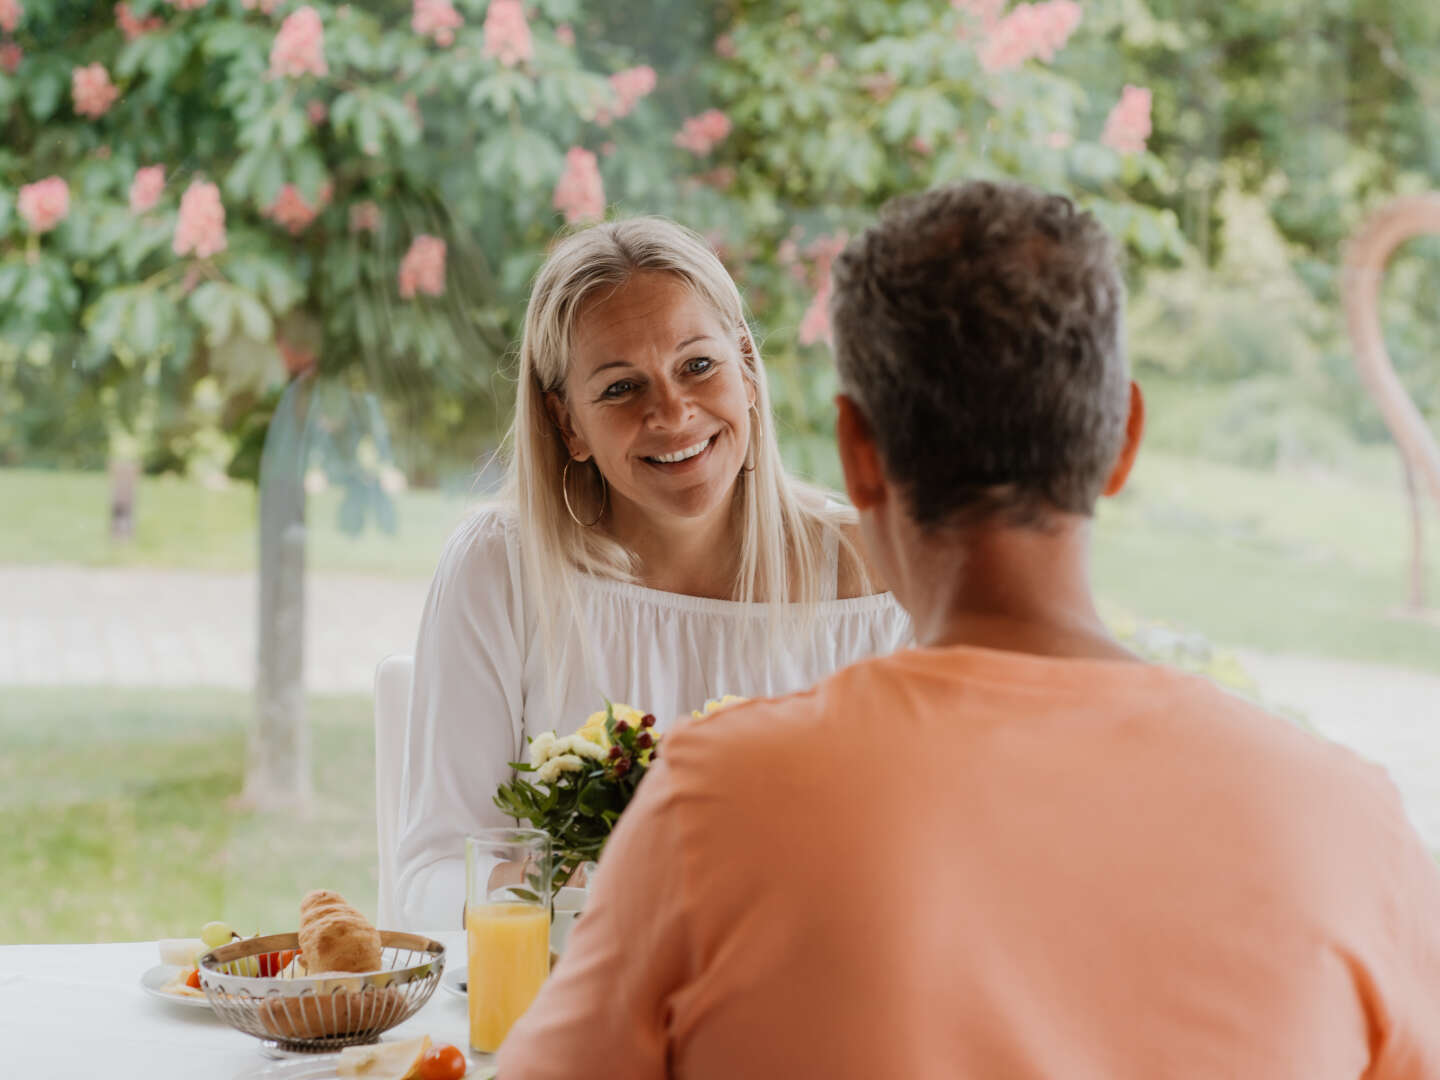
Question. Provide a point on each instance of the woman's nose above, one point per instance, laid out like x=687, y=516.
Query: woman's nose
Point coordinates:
x=670, y=405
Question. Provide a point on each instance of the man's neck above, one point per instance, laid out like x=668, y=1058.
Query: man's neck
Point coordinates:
x=1015, y=589
x=691, y=556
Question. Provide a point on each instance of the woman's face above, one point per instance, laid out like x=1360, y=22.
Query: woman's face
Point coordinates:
x=656, y=394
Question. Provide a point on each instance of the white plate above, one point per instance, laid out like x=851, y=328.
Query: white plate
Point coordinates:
x=454, y=981
x=322, y=1067
x=153, y=983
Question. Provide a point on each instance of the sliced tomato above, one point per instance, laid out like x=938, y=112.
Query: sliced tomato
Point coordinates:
x=194, y=980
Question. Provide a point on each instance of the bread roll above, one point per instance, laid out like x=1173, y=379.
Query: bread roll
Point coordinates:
x=336, y=937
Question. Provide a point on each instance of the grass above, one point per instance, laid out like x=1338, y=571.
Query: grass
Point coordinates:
x=62, y=517
x=1292, y=563
x=116, y=820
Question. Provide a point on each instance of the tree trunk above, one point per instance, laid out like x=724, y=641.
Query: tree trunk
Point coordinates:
x=278, y=776
x=1365, y=259
x=1417, y=541
x=124, y=477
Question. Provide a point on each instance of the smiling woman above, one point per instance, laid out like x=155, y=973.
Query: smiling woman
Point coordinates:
x=649, y=548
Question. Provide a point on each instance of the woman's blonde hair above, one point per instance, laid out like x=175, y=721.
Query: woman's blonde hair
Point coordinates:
x=783, y=523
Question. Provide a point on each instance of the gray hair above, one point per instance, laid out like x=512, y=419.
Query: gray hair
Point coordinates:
x=979, y=327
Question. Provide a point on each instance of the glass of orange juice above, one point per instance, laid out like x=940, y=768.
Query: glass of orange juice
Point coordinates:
x=507, y=923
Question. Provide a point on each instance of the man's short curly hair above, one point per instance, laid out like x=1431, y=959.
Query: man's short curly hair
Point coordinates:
x=979, y=327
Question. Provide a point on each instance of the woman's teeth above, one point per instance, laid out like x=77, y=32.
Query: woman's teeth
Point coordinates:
x=681, y=455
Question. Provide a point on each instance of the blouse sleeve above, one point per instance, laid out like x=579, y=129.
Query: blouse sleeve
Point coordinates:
x=466, y=718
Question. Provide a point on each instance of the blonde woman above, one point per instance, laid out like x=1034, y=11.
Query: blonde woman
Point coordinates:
x=649, y=547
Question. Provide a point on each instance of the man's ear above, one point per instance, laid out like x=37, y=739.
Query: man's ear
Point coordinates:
x=1134, y=431
x=865, y=480
x=559, y=414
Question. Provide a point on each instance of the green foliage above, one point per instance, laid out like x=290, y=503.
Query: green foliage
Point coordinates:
x=836, y=106
x=578, y=808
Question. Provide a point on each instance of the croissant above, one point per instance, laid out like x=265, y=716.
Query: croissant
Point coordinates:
x=336, y=937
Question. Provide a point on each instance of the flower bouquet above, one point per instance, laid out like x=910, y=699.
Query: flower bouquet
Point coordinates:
x=575, y=787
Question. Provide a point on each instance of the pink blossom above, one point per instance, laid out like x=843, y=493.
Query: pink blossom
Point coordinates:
x=92, y=90
x=133, y=27
x=365, y=217
x=565, y=35
x=292, y=212
x=201, y=226
x=580, y=193
x=725, y=47
x=423, y=268
x=720, y=179
x=299, y=45
x=265, y=7
x=815, y=326
x=318, y=112
x=437, y=19
x=44, y=204
x=1030, y=32
x=507, y=34
x=10, y=57
x=921, y=146
x=10, y=13
x=146, y=188
x=699, y=134
x=630, y=86
x=1128, y=125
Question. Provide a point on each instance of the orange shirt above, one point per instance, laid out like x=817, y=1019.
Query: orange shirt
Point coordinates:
x=966, y=863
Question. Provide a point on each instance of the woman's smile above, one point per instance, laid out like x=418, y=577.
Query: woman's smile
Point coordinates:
x=679, y=460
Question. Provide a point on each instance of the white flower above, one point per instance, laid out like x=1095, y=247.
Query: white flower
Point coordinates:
x=542, y=748
x=580, y=746
x=553, y=769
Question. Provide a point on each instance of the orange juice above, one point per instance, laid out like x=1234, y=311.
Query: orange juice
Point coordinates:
x=509, y=959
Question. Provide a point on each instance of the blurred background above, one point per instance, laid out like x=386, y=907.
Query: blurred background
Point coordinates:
x=263, y=266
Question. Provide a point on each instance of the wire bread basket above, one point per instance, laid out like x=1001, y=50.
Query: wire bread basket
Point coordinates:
x=318, y=1014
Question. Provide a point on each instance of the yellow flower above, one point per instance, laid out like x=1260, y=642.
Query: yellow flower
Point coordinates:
x=594, y=726
x=717, y=704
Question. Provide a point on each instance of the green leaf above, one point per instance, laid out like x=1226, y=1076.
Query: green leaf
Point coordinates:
x=213, y=305
x=254, y=319
x=143, y=326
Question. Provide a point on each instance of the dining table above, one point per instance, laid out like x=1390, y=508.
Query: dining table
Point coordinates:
x=81, y=1012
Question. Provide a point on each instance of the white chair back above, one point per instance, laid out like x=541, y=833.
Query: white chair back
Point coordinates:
x=392, y=707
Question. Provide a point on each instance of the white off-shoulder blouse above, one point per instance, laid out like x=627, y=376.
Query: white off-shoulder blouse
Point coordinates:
x=483, y=688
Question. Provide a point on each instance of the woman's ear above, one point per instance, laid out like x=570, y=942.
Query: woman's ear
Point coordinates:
x=750, y=365
x=559, y=414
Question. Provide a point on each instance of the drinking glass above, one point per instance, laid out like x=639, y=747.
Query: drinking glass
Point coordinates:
x=507, y=924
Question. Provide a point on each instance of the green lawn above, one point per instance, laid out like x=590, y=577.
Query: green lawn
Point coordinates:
x=1304, y=564
x=1278, y=561
x=61, y=517
x=116, y=823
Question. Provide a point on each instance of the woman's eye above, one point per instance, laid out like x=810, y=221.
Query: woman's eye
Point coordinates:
x=618, y=389
x=700, y=365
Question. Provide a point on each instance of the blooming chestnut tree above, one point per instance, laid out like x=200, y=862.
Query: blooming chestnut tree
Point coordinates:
x=201, y=200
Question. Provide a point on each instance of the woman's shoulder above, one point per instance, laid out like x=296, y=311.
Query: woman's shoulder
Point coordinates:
x=486, y=538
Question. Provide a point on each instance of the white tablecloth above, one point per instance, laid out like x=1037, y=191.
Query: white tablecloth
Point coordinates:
x=78, y=1011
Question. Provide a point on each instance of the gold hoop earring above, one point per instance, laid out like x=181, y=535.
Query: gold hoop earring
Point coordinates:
x=565, y=491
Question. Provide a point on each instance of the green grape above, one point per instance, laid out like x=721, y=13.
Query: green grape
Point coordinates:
x=215, y=934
